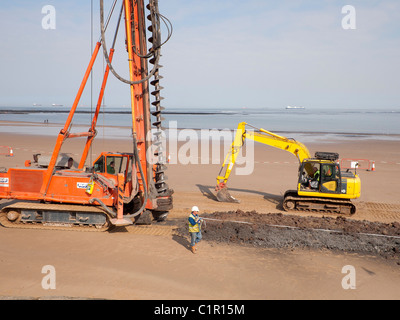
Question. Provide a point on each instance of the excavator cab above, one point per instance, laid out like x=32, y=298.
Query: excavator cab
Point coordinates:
x=322, y=177
x=330, y=181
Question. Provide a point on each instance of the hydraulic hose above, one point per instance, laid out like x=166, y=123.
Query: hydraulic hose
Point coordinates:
x=146, y=196
x=112, y=213
x=107, y=58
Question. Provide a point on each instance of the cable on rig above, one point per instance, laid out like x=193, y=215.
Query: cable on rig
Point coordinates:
x=153, y=56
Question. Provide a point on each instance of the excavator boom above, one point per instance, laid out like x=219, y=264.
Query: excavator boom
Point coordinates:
x=262, y=136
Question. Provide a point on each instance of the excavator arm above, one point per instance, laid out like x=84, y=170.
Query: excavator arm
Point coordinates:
x=262, y=136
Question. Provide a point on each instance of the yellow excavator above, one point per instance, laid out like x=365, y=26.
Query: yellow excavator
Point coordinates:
x=321, y=187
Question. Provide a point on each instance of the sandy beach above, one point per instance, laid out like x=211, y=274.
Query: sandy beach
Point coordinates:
x=127, y=265
x=184, y=78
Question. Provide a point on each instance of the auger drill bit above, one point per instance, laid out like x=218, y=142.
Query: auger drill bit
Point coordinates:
x=160, y=177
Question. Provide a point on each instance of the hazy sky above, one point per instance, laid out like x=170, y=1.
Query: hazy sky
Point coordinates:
x=224, y=53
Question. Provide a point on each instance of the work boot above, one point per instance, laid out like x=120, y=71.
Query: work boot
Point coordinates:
x=193, y=249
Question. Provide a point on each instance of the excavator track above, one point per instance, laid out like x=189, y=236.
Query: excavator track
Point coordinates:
x=29, y=215
x=293, y=202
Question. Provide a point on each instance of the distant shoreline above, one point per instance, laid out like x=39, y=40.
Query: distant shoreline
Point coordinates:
x=84, y=128
x=26, y=111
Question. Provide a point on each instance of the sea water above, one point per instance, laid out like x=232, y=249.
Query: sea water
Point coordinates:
x=308, y=123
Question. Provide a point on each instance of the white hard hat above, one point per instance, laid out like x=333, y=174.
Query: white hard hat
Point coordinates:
x=194, y=208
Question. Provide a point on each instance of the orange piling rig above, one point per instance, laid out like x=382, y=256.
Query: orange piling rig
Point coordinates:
x=119, y=188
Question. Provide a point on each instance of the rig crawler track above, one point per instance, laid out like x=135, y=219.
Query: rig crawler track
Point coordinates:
x=50, y=216
x=292, y=202
x=29, y=215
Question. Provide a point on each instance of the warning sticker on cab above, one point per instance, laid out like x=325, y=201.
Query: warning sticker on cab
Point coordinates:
x=81, y=185
x=4, y=182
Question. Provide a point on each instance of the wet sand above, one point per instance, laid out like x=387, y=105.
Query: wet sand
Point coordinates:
x=127, y=265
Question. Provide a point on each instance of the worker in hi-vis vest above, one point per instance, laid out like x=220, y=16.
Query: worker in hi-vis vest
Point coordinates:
x=194, y=228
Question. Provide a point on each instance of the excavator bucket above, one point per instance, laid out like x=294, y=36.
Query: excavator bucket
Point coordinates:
x=223, y=195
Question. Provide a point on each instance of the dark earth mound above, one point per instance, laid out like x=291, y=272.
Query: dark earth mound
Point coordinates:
x=277, y=230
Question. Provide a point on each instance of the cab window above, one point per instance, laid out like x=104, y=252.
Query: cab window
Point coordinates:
x=99, y=165
x=111, y=165
x=330, y=178
x=116, y=164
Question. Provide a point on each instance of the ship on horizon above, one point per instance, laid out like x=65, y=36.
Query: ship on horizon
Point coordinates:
x=294, y=107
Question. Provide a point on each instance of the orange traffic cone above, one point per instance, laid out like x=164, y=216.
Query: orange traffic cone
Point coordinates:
x=373, y=166
x=11, y=152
